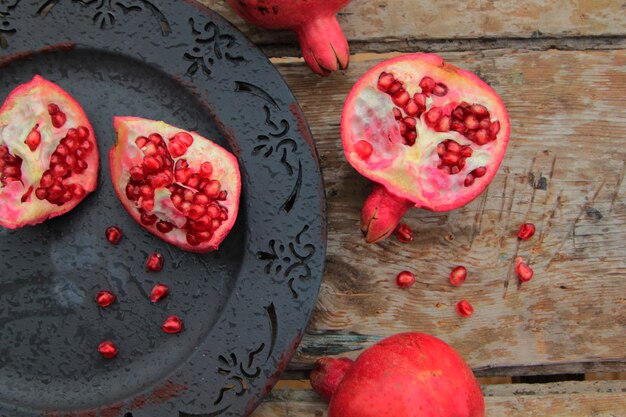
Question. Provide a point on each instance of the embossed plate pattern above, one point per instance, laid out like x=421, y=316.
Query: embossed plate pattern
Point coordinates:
x=245, y=307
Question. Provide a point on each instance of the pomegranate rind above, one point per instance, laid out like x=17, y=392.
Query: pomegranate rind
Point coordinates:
x=125, y=154
x=25, y=107
x=410, y=172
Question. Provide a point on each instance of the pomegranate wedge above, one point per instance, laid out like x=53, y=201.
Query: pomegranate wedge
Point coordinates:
x=178, y=185
x=48, y=154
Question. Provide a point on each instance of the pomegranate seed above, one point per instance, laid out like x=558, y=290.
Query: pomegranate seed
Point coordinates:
x=78, y=191
x=494, y=128
x=155, y=138
x=107, y=349
x=83, y=132
x=33, y=139
x=212, y=190
x=479, y=110
x=440, y=90
x=148, y=219
x=411, y=108
x=469, y=180
x=464, y=308
x=385, y=81
x=136, y=173
x=206, y=170
x=395, y=87
x=364, y=149
x=41, y=193
x=176, y=149
x=141, y=141
x=105, y=298
x=114, y=234
x=58, y=119
x=471, y=122
x=397, y=113
x=485, y=123
x=479, y=172
x=164, y=227
x=154, y=263
x=404, y=233
x=184, y=138
x=159, y=291
x=457, y=126
x=427, y=84
x=526, y=231
x=433, y=115
x=172, y=324
x=458, y=275
x=401, y=98
x=444, y=124
x=193, y=181
x=405, y=279
x=52, y=109
x=410, y=138
x=192, y=240
x=482, y=136
x=524, y=272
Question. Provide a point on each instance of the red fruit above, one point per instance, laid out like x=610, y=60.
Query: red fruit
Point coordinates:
x=526, y=231
x=114, y=234
x=105, y=298
x=523, y=271
x=446, y=154
x=464, y=308
x=154, y=263
x=159, y=291
x=108, y=349
x=324, y=47
x=171, y=195
x=458, y=275
x=172, y=324
x=405, y=279
x=44, y=170
x=406, y=375
x=404, y=233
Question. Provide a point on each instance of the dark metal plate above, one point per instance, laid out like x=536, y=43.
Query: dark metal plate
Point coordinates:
x=245, y=307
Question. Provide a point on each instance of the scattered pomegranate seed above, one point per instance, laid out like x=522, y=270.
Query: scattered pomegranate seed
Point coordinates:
x=405, y=279
x=105, y=298
x=464, y=308
x=458, y=275
x=526, y=231
x=108, y=349
x=523, y=271
x=172, y=324
x=154, y=263
x=159, y=292
x=114, y=234
x=404, y=233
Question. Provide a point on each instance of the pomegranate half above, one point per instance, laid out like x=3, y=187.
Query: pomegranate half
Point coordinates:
x=324, y=46
x=48, y=154
x=179, y=186
x=429, y=134
x=406, y=375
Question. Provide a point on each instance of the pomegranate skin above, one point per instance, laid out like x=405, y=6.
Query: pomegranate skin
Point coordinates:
x=408, y=375
x=324, y=46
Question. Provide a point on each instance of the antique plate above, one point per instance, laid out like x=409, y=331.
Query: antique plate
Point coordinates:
x=245, y=307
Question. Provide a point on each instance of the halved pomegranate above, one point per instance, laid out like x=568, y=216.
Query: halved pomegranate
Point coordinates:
x=48, y=154
x=428, y=133
x=178, y=185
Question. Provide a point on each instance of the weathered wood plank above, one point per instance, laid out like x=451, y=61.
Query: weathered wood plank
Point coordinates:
x=392, y=25
x=564, y=399
x=564, y=171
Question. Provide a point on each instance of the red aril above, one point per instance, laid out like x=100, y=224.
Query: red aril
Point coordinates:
x=178, y=185
x=458, y=275
x=154, y=262
x=434, y=136
x=159, y=292
x=324, y=47
x=523, y=271
x=108, y=349
x=526, y=231
x=405, y=279
x=105, y=298
x=172, y=324
x=404, y=233
x=48, y=154
x=113, y=234
x=406, y=375
x=464, y=308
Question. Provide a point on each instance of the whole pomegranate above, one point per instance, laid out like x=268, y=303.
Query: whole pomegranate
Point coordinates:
x=406, y=375
x=324, y=47
x=48, y=154
x=178, y=185
x=429, y=135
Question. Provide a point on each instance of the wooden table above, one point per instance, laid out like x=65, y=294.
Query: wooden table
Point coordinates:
x=560, y=67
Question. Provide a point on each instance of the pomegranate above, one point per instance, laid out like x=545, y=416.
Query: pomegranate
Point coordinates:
x=114, y=235
x=105, y=298
x=48, y=154
x=154, y=262
x=324, y=47
x=406, y=375
x=178, y=185
x=159, y=292
x=429, y=135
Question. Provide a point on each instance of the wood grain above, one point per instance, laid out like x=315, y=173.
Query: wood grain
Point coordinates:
x=565, y=399
x=564, y=171
x=402, y=25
